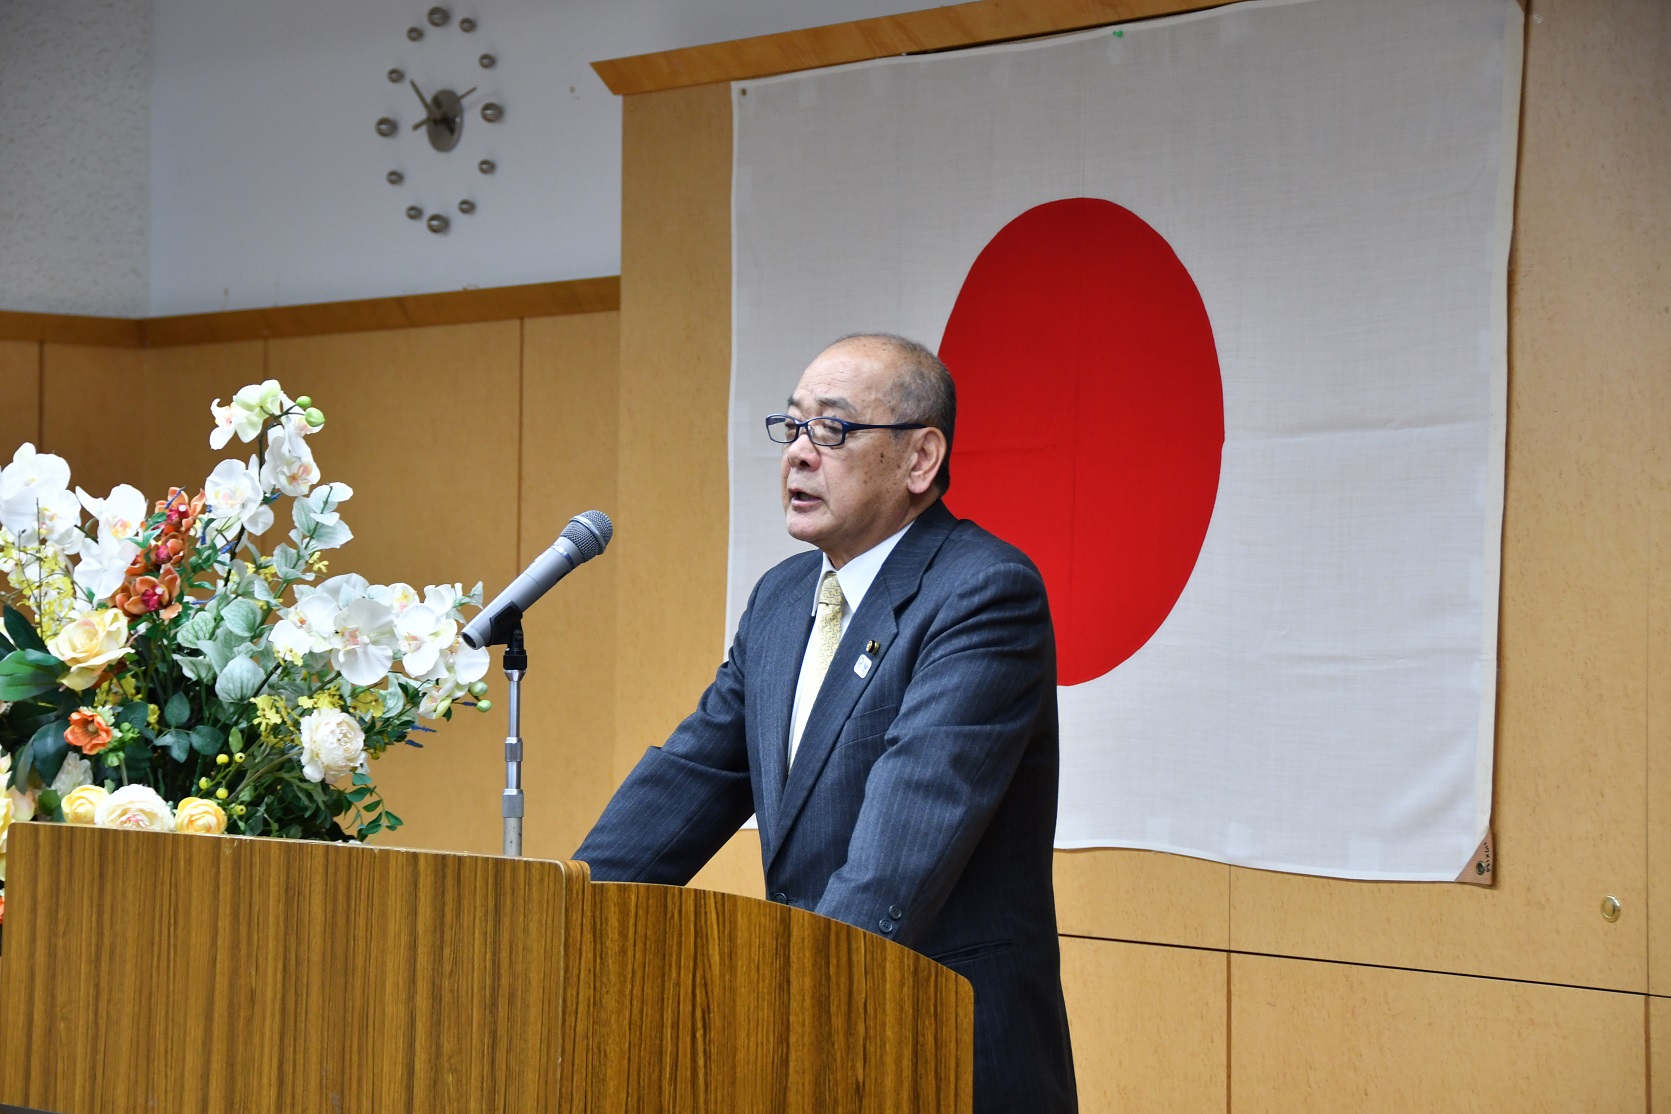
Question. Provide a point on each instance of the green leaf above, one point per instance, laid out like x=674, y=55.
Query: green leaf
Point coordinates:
x=238, y=681
x=25, y=686
x=49, y=747
x=392, y=820
x=134, y=714
x=360, y=794
x=206, y=740
x=361, y=777
x=201, y=670
x=235, y=740
x=287, y=561
x=370, y=828
x=198, y=629
x=243, y=618
x=177, y=711
x=48, y=800
x=331, y=535
x=22, y=762
x=177, y=743
x=22, y=633
x=256, y=824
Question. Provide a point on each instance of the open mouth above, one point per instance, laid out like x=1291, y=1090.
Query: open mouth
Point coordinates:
x=801, y=500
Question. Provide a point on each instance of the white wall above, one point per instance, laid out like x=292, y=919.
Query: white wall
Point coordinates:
x=267, y=183
x=75, y=112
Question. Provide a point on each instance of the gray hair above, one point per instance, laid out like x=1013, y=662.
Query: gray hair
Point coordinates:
x=921, y=391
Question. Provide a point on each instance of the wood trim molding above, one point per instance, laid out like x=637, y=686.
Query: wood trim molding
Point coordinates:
x=955, y=25
x=500, y=303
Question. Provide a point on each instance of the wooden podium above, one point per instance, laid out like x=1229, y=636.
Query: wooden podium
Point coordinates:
x=204, y=973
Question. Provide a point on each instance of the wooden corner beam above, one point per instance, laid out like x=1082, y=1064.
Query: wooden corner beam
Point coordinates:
x=945, y=28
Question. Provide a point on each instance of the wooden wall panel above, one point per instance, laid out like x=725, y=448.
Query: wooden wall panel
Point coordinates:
x=181, y=385
x=1659, y=1055
x=1150, y=1025
x=736, y=869
x=93, y=406
x=1329, y=1037
x=423, y=425
x=1121, y=894
x=570, y=460
x=675, y=360
x=20, y=396
x=1589, y=336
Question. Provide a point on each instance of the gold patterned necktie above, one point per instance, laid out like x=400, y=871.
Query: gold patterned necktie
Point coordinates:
x=826, y=629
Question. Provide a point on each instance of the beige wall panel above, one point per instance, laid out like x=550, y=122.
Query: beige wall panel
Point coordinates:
x=1122, y=894
x=1331, y=1037
x=1149, y=1026
x=670, y=549
x=736, y=869
x=423, y=425
x=570, y=440
x=1659, y=1055
x=93, y=408
x=20, y=395
x=1588, y=344
x=182, y=383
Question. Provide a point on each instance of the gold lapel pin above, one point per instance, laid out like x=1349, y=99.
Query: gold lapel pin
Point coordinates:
x=872, y=647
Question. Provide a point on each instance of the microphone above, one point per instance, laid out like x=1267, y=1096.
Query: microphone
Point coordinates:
x=582, y=539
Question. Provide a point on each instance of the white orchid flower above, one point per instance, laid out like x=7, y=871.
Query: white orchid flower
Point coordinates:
x=35, y=502
x=445, y=599
x=423, y=634
x=104, y=565
x=365, y=642
x=222, y=433
x=307, y=628
x=290, y=467
x=121, y=514
x=397, y=597
x=345, y=589
x=233, y=497
x=250, y=409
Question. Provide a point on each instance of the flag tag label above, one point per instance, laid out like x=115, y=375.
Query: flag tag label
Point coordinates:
x=862, y=666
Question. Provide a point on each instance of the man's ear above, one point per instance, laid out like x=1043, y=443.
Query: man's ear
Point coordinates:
x=926, y=459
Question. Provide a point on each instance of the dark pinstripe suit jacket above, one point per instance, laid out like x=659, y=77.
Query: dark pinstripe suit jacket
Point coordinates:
x=922, y=801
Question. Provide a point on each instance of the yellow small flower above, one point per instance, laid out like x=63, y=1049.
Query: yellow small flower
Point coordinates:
x=153, y=714
x=239, y=810
x=220, y=794
x=318, y=563
x=304, y=702
x=239, y=757
x=221, y=759
x=366, y=703
x=203, y=783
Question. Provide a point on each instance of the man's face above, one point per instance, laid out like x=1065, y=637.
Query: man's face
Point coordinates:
x=846, y=499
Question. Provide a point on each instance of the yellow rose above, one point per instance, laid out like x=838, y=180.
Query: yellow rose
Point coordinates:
x=198, y=815
x=89, y=644
x=81, y=803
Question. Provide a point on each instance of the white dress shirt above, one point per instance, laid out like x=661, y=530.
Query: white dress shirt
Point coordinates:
x=855, y=578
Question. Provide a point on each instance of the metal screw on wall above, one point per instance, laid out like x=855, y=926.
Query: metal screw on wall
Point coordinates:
x=396, y=76
x=438, y=223
x=487, y=166
x=438, y=17
x=488, y=61
x=467, y=206
x=415, y=33
x=1610, y=908
x=395, y=177
x=413, y=212
x=467, y=25
x=387, y=127
x=493, y=112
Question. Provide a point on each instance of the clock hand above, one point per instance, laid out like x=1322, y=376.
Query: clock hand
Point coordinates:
x=429, y=110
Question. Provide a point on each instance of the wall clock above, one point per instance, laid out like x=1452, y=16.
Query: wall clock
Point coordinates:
x=447, y=101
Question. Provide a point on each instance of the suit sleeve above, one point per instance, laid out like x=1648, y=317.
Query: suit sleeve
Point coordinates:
x=685, y=798
x=968, y=714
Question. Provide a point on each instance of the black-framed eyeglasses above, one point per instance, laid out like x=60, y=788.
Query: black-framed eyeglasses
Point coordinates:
x=826, y=433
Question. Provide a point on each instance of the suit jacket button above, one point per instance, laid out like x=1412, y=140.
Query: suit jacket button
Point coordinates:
x=895, y=912
x=780, y=897
x=885, y=926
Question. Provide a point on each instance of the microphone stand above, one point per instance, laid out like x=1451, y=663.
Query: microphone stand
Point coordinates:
x=511, y=803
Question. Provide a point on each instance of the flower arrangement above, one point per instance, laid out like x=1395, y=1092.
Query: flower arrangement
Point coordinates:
x=158, y=670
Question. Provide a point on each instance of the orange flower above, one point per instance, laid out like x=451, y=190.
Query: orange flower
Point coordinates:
x=181, y=513
x=145, y=594
x=88, y=732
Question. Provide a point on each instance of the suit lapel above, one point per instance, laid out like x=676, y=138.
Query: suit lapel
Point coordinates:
x=875, y=621
x=783, y=643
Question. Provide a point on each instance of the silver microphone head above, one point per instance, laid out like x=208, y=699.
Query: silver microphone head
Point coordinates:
x=589, y=532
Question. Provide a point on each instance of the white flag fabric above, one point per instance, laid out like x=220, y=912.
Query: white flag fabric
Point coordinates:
x=1225, y=298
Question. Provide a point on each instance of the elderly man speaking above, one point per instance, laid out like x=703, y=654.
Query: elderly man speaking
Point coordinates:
x=888, y=711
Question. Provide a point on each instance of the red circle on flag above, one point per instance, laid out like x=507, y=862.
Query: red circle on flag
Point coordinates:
x=1090, y=425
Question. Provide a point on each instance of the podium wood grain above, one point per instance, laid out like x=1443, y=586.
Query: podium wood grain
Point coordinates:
x=191, y=973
